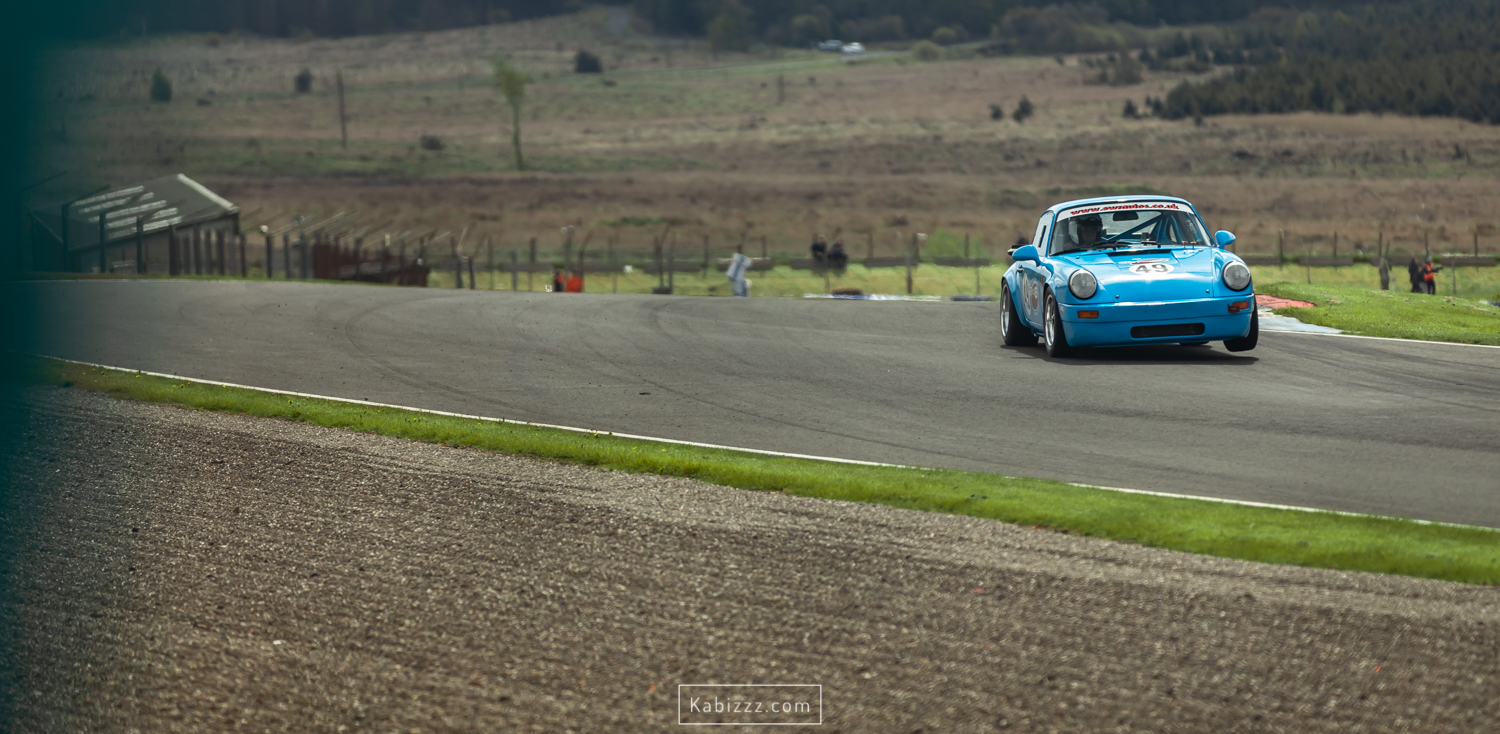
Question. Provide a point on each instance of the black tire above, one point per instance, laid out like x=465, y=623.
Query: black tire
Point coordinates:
x=1056, y=338
x=1246, y=342
x=1012, y=331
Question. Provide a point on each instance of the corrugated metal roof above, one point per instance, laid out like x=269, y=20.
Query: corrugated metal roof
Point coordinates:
x=164, y=202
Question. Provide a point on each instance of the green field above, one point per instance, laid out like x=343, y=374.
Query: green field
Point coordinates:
x=1314, y=539
x=1392, y=313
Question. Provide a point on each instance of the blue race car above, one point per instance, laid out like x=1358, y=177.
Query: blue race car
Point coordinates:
x=1120, y=271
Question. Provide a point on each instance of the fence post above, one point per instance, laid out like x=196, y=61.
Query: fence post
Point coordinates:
x=197, y=251
x=1476, y=240
x=705, y=255
x=63, y=238
x=286, y=256
x=302, y=249
x=613, y=274
x=1281, y=247
x=343, y=119
x=270, y=256
x=909, y=255
x=401, y=264
x=1427, y=243
x=672, y=265
x=174, y=264
x=489, y=248
x=103, y=240
x=140, y=245
x=220, y=239
x=471, y=274
x=514, y=261
x=533, y=264
x=385, y=259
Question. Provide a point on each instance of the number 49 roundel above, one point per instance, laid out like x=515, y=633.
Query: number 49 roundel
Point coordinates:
x=1150, y=268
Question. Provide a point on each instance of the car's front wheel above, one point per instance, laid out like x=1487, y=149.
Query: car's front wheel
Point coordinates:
x=1012, y=331
x=1057, y=339
x=1246, y=342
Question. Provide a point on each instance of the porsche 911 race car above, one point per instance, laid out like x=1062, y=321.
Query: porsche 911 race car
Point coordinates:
x=1123, y=271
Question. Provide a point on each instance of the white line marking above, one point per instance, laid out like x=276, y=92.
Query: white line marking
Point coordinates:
x=1385, y=338
x=762, y=452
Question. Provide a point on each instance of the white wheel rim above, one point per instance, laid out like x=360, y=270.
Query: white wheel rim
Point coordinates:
x=1005, y=313
x=1050, y=338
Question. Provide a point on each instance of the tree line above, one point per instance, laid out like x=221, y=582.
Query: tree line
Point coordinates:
x=1429, y=57
x=778, y=22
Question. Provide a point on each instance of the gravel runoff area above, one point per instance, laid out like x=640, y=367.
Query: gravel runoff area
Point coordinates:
x=192, y=571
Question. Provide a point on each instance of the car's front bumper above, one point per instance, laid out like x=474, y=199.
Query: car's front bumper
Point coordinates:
x=1116, y=322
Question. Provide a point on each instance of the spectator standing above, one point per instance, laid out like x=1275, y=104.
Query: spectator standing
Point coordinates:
x=557, y=280
x=1429, y=276
x=738, y=266
x=1414, y=272
x=838, y=258
x=819, y=251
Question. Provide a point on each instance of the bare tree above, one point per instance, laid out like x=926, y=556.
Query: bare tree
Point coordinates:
x=512, y=84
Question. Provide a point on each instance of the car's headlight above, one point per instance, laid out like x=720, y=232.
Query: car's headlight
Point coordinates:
x=1083, y=284
x=1236, y=276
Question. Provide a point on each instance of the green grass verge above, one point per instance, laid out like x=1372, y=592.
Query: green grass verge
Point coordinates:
x=1392, y=313
x=1315, y=539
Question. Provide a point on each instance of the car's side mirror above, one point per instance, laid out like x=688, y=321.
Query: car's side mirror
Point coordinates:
x=1224, y=239
x=1026, y=252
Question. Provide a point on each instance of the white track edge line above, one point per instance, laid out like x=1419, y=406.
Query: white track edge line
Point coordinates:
x=762, y=452
x=1381, y=338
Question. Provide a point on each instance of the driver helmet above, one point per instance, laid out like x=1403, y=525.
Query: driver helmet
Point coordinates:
x=1091, y=220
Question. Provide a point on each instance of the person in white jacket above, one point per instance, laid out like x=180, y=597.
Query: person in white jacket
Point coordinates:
x=738, y=266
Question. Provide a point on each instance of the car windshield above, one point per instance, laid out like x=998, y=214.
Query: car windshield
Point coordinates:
x=1127, y=225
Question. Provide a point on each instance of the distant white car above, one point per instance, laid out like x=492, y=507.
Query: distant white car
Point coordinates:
x=832, y=47
x=853, y=48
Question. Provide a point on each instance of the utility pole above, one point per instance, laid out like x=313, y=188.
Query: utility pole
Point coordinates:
x=338, y=81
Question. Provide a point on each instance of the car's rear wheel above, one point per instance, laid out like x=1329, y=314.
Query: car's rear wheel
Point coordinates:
x=1012, y=331
x=1246, y=342
x=1057, y=339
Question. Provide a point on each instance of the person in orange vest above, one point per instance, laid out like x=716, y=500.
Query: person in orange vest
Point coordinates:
x=575, y=282
x=1429, y=276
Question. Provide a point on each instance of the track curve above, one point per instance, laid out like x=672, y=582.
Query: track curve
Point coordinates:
x=1372, y=426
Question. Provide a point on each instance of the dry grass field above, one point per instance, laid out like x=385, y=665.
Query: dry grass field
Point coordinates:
x=872, y=150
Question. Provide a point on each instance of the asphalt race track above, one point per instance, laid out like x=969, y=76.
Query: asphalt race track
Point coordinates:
x=1360, y=425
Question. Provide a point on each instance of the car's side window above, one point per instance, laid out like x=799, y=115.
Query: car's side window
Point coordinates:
x=1062, y=238
x=1039, y=238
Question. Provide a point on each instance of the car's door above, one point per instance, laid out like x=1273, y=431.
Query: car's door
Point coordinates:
x=1033, y=276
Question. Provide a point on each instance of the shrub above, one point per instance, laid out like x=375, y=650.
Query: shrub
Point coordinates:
x=303, y=81
x=927, y=51
x=1130, y=112
x=883, y=28
x=586, y=63
x=431, y=142
x=1024, y=110
x=945, y=36
x=807, y=30
x=161, y=89
x=997, y=112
